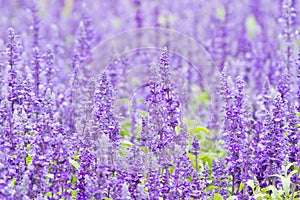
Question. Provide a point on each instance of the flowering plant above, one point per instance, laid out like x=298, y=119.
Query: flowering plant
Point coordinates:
x=149, y=100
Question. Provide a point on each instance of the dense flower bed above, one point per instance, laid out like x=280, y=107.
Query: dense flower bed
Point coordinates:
x=149, y=99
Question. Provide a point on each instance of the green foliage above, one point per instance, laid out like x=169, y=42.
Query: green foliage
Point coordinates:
x=198, y=131
x=73, y=179
x=178, y=129
x=171, y=169
x=232, y=198
x=28, y=160
x=251, y=26
x=30, y=132
x=48, y=194
x=126, y=144
x=138, y=129
x=285, y=181
x=217, y=196
x=13, y=182
x=29, y=147
x=271, y=192
x=203, y=98
x=74, y=193
x=140, y=100
x=75, y=157
x=144, y=149
x=74, y=163
x=241, y=187
x=125, y=129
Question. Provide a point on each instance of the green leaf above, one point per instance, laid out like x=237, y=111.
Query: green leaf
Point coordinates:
x=144, y=149
x=125, y=133
x=221, y=12
x=48, y=194
x=74, y=163
x=232, y=198
x=126, y=144
x=199, y=129
x=125, y=129
x=207, y=157
x=30, y=132
x=13, y=182
x=140, y=100
x=266, y=189
x=191, y=157
x=50, y=176
x=74, y=193
x=138, y=129
x=178, y=129
x=211, y=187
x=75, y=157
x=275, y=193
x=286, y=183
x=262, y=196
x=191, y=122
x=171, y=169
x=122, y=133
x=241, y=187
x=144, y=113
x=217, y=196
x=73, y=179
x=125, y=124
x=251, y=25
x=203, y=98
x=28, y=160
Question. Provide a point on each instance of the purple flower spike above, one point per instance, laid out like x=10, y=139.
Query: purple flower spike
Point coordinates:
x=107, y=121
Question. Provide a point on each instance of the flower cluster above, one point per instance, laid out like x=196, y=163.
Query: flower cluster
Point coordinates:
x=94, y=105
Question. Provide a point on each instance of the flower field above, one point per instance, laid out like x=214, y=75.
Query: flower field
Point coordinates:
x=149, y=100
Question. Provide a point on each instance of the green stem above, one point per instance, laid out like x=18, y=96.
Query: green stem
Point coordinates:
x=196, y=159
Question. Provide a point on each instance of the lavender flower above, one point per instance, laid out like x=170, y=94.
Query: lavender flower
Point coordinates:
x=13, y=59
x=35, y=26
x=60, y=132
x=195, y=151
x=104, y=102
x=288, y=15
x=220, y=179
x=293, y=138
x=273, y=139
x=168, y=95
x=284, y=84
x=36, y=69
x=234, y=134
x=85, y=39
x=49, y=60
